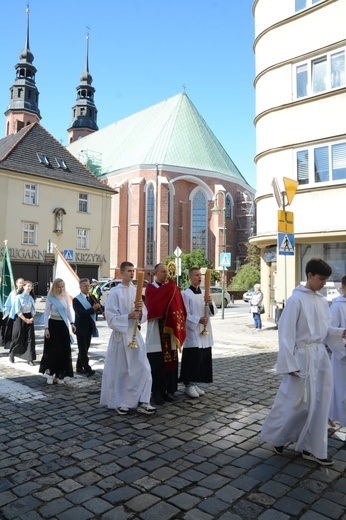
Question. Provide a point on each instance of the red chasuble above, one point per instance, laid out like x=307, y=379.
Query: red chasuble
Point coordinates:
x=166, y=302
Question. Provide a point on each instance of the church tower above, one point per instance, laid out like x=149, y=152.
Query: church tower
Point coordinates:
x=84, y=112
x=23, y=108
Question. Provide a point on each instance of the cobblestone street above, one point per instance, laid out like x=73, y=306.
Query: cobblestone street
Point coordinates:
x=65, y=457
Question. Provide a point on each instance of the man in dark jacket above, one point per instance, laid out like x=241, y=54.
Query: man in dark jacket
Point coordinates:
x=85, y=321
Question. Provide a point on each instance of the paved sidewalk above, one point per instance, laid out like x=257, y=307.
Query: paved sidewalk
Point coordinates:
x=64, y=457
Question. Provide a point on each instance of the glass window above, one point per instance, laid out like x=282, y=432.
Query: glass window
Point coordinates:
x=321, y=164
x=337, y=69
x=339, y=161
x=303, y=167
x=30, y=194
x=83, y=202
x=199, y=221
x=61, y=164
x=319, y=76
x=303, y=4
x=82, y=238
x=302, y=80
x=150, y=224
x=300, y=4
x=29, y=233
x=43, y=159
x=228, y=207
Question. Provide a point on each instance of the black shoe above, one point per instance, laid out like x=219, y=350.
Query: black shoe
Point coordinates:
x=31, y=363
x=166, y=397
x=323, y=462
x=278, y=449
x=90, y=373
x=80, y=370
x=11, y=359
x=157, y=398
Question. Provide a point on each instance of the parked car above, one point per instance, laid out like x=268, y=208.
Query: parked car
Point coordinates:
x=106, y=287
x=216, y=296
x=248, y=295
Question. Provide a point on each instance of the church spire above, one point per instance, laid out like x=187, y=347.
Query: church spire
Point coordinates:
x=23, y=108
x=84, y=112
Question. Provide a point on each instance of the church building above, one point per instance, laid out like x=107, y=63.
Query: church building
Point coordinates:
x=170, y=174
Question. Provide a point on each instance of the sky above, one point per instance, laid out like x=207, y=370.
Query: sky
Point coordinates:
x=141, y=52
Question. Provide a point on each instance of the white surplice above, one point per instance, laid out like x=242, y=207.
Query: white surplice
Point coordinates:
x=195, y=309
x=126, y=379
x=301, y=406
x=338, y=403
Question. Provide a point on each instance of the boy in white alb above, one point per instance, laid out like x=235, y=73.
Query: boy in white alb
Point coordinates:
x=301, y=407
x=126, y=380
x=338, y=403
x=196, y=363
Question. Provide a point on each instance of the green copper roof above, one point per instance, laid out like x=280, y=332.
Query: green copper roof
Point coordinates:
x=171, y=133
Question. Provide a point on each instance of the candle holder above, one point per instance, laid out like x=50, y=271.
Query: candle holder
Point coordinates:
x=206, y=314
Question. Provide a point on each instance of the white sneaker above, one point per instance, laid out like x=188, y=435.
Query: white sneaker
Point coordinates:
x=146, y=408
x=50, y=380
x=122, y=410
x=191, y=391
x=60, y=381
x=199, y=390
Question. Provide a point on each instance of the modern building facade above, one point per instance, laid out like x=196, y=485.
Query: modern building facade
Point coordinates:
x=168, y=169
x=301, y=134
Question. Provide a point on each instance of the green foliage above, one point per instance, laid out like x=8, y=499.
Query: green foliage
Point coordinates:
x=245, y=278
x=196, y=258
x=253, y=256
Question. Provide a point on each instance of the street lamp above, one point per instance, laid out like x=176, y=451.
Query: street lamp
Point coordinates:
x=217, y=209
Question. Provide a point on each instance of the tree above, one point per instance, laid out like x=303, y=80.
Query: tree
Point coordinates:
x=253, y=256
x=245, y=278
x=249, y=273
x=196, y=258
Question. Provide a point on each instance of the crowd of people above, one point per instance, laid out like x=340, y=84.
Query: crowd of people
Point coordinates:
x=139, y=371
x=133, y=375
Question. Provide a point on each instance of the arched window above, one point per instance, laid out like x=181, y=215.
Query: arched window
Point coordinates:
x=199, y=221
x=150, y=225
x=229, y=207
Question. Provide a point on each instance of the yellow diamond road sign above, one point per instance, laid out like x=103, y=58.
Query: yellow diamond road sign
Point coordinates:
x=285, y=222
x=291, y=188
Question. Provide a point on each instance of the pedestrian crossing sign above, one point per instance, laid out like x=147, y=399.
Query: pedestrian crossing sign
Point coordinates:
x=225, y=259
x=286, y=243
x=69, y=255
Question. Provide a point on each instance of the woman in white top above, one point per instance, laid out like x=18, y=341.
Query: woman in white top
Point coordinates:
x=22, y=344
x=56, y=360
x=255, y=302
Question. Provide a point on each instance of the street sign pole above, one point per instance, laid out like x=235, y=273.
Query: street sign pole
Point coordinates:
x=285, y=218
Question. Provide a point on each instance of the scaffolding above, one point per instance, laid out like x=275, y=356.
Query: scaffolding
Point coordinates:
x=92, y=160
x=245, y=215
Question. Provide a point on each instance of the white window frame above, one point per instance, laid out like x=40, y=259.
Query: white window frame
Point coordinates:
x=311, y=163
x=29, y=233
x=30, y=194
x=82, y=238
x=311, y=67
x=83, y=201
